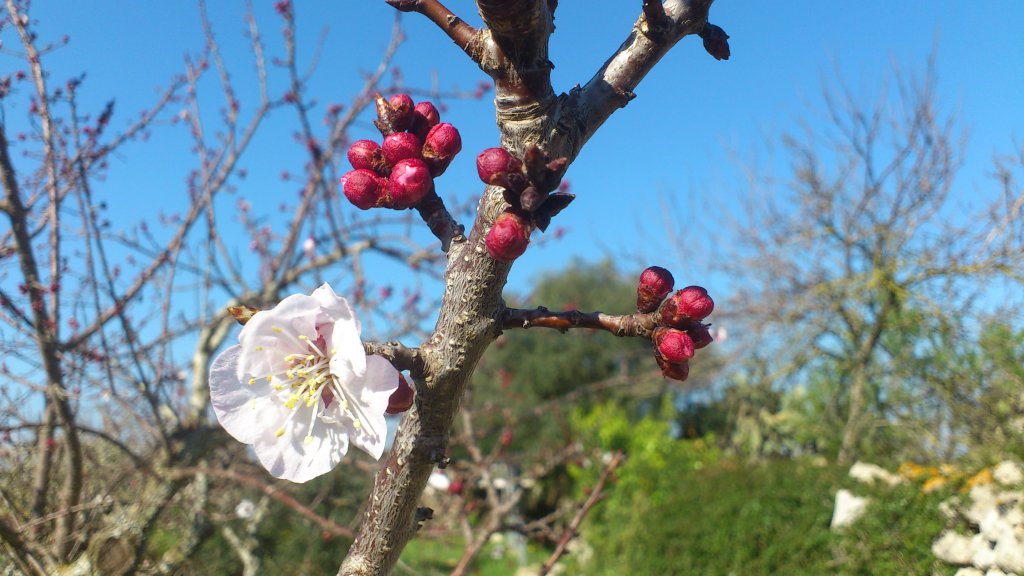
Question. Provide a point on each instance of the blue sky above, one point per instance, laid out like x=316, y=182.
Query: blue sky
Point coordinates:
x=671, y=150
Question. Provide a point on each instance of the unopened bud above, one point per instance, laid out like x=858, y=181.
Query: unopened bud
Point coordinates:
x=655, y=283
x=494, y=163
x=399, y=146
x=402, y=107
x=701, y=335
x=443, y=142
x=674, y=346
x=410, y=181
x=402, y=398
x=716, y=41
x=424, y=117
x=508, y=237
x=362, y=187
x=691, y=302
x=366, y=154
x=674, y=371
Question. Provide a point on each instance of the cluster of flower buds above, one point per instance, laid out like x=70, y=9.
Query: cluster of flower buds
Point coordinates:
x=417, y=148
x=680, y=332
x=529, y=188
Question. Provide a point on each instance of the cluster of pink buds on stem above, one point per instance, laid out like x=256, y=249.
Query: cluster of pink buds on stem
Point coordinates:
x=399, y=173
x=680, y=332
x=529, y=189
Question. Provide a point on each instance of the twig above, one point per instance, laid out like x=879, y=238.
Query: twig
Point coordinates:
x=638, y=325
x=570, y=532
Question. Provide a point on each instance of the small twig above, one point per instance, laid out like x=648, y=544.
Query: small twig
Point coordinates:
x=637, y=325
x=461, y=33
x=397, y=354
x=440, y=221
x=595, y=495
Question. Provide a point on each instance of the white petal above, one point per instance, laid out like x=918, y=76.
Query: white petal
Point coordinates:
x=272, y=334
x=243, y=409
x=334, y=306
x=348, y=359
x=372, y=392
x=289, y=457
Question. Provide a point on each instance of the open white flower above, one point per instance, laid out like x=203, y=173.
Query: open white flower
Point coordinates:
x=300, y=388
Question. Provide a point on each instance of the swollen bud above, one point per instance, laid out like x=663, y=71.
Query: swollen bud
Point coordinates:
x=424, y=117
x=691, y=303
x=366, y=154
x=410, y=181
x=362, y=187
x=401, y=399
x=508, y=237
x=716, y=41
x=655, y=283
x=493, y=164
x=402, y=107
x=443, y=142
x=701, y=335
x=399, y=146
x=674, y=346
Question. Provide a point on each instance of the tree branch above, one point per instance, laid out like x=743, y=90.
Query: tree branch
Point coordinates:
x=637, y=325
x=461, y=33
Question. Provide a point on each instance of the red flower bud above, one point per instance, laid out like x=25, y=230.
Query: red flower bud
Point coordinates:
x=456, y=486
x=443, y=142
x=410, y=181
x=366, y=154
x=674, y=346
x=401, y=399
x=508, y=237
x=402, y=106
x=674, y=371
x=492, y=163
x=655, y=283
x=691, y=302
x=424, y=117
x=399, y=146
x=363, y=188
x=716, y=41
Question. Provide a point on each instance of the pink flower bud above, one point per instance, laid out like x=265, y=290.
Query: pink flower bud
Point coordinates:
x=399, y=146
x=508, y=237
x=362, y=187
x=691, y=302
x=410, y=181
x=443, y=142
x=492, y=163
x=402, y=106
x=674, y=346
x=424, y=117
x=366, y=154
x=655, y=283
x=402, y=398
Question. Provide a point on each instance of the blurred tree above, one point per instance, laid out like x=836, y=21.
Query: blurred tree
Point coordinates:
x=849, y=262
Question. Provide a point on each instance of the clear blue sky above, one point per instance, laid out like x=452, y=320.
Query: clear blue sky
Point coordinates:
x=673, y=141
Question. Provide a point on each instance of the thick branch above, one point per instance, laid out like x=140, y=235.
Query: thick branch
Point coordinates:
x=641, y=325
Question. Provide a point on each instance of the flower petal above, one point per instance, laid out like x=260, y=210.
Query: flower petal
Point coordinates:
x=268, y=337
x=243, y=409
x=290, y=457
x=334, y=306
x=372, y=392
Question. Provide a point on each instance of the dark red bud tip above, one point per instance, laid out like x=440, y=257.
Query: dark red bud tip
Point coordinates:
x=674, y=346
x=716, y=42
x=365, y=154
x=399, y=146
x=410, y=181
x=424, y=117
x=674, y=371
x=701, y=336
x=402, y=110
x=362, y=187
x=492, y=163
x=401, y=399
x=508, y=237
x=455, y=487
x=655, y=283
x=443, y=142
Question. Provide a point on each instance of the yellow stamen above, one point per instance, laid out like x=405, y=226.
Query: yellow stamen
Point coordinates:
x=280, y=432
x=308, y=440
x=252, y=381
